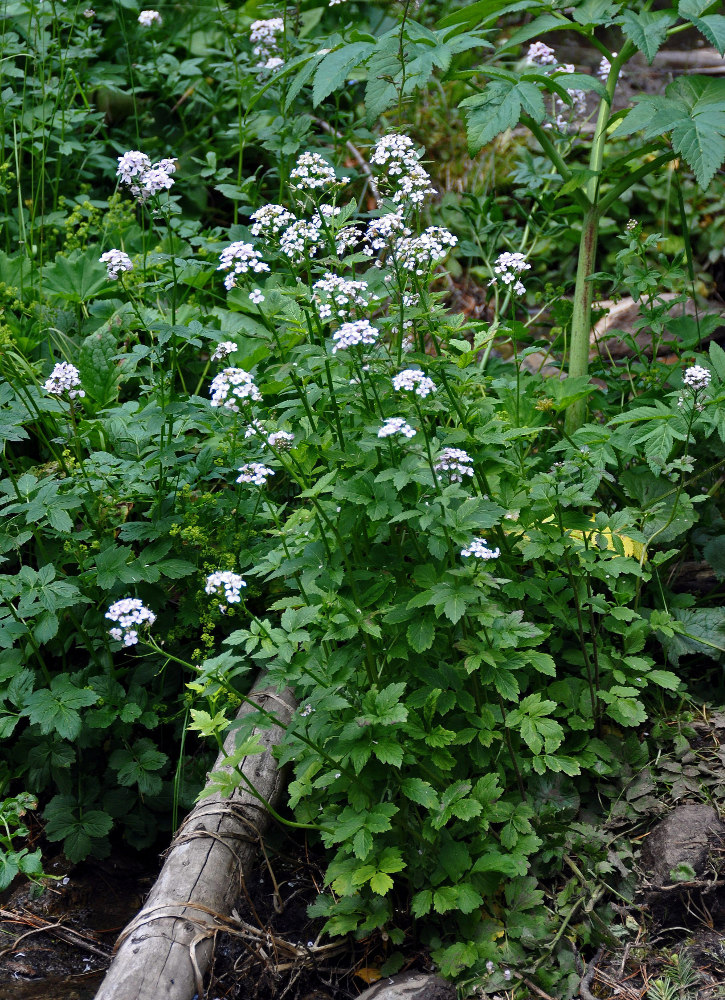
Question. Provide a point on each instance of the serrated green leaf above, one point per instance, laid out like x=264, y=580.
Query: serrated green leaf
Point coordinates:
x=717, y=360
x=421, y=903
x=98, y=371
x=498, y=108
x=646, y=29
x=362, y=844
x=381, y=883
x=693, y=111
x=468, y=899
x=420, y=634
x=59, y=519
x=712, y=26
x=334, y=69
x=419, y=791
x=664, y=678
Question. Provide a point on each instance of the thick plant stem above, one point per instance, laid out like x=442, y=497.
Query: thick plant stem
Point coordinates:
x=581, y=320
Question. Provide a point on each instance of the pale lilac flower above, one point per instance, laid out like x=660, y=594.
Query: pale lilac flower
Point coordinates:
x=604, y=68
x=254, y=472
x=130, y=615
x=223, y=350
x=145, y=178
x=256, y=296
x=225, y=584
x=64, y=380
x=479, y=548
x=413, y=380
x=263, y=36
x=307, y=710
x=381, y=232
x=89, y=12
x=507, y=974
x=456, y=463
x=396, y=425
x=116, y=261
x=240, y=258
x=232, y=385
x=490, y=967
x=697, y=378
x=353, y=334
x=149, y=18
x=273, y=63
x=507, y=268
x=281, y=440
x=539, y=54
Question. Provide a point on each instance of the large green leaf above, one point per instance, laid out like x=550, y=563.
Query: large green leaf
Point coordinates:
x=97, y=368
x=692, y=109
x=486, y=10
x=335, y=68
x=76, y=278
x=498, y=108
x=712, y=26
x=647, y=29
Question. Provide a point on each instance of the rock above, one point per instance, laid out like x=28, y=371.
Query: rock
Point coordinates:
x=410, y=986
x=686, y=836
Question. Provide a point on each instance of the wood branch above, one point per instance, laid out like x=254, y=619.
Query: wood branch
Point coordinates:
x=166, y=949
x=410, y=986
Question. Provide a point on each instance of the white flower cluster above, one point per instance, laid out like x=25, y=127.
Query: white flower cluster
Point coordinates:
x=353, y=334
x=333, y=294
x=64, y=380
x=604, y=68
x=312, y=171
x=263, y=36
x=231, y=385
x=396, y=425
x=144, y=178
x=419, y=254
x=405, y=180
x=223, y=350
x=479, y=548
x=225, y=584
x=507, y=268
x=148, y=18
x=413, y=380
x=270, y=220
x=456, y=462
x=129, y=614
x=254, y=472
x=303, y=239
x=381, y=232
x=116, y=261
x=540, y=54
x=239, y=258
x=281, y=440
x=697, y=378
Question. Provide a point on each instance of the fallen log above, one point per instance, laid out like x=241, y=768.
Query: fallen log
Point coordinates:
x=167, y=947
x=410, y=986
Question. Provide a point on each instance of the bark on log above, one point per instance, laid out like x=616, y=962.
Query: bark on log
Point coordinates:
x=163, y=953
x=410, y=986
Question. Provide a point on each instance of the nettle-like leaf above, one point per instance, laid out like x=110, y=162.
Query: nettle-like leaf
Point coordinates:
x=712, y=26
x=692, y=110
x=98, y=371
x=647, y=29
x=55, y=709
x=498, y=108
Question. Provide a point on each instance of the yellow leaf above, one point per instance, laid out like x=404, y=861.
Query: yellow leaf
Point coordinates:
x=368, y=975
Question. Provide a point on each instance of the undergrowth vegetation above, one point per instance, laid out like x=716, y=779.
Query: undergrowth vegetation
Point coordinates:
x=243, y=429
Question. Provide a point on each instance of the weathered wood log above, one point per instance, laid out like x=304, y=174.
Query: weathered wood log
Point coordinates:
x=410, y=986
x=163, y=953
